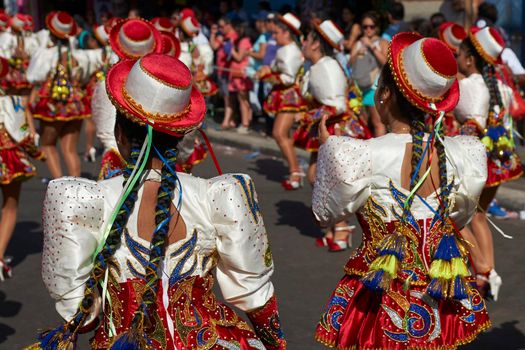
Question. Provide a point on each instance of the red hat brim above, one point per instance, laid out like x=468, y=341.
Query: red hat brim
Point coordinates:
x=58, y=34
x=4, y=67
x=115, y=81
x=174, y=42
x=117, y=47
x=397, y=45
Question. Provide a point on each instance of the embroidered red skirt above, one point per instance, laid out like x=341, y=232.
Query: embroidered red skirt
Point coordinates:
x=14, y=164
x=77, y=106
x=199, y=321
x=111, y=165
x=358, y=318
x=198, y=155
x=499, y=169
x=285, y=99
x=15, y=81
x=306, y=135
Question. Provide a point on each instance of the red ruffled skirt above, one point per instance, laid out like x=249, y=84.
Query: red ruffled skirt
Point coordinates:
x=500, y=169
x=285, y=99
x=358, y=318
x=111, y=165
x=198, y=155
x=78, y=105
x=306, y=135
x=199, y=320
x=207, y=86
x=16, y=81
x=14, y=163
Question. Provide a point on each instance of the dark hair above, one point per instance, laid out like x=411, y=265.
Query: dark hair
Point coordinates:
x=265, y=6
x=417, y=130
x=166, y=146
x=294, y=36
x=374, y=16
x=326, y=48
x=396, y=10
x=469, y=48
x=488, y=11
x=437, y=19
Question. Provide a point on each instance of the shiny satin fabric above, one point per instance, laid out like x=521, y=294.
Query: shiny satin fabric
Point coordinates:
x=224, y=230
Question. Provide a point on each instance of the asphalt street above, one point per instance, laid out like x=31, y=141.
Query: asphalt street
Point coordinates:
x=304, y=278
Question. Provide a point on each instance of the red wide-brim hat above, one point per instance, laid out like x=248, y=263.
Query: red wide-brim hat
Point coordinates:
x=53, y=21
x=135, y=31
x=170, y=44
x=489, y=43
x=4, y=67
x=177, y=77
x=452, y=34
x=439, y=60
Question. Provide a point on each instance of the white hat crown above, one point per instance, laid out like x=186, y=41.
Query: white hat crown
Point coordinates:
x=331, y=32
x=425, y=80
x=155, y=96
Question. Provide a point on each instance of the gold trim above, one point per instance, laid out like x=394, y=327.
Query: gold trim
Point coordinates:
x=155, y=117
x=162, y=81
x=407, y=82
x=481, y=51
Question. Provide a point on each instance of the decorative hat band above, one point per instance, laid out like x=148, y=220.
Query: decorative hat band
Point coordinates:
x=18, y=23
x=487, y=44
x=419, y=74
x=190, y=26
x=163, y=23
x=154, y=98
x=331, y=33
x=135, y=48
x=101, y=34
x=61, y=26
x=451, y=38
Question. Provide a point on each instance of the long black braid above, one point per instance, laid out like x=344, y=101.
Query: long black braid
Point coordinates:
x=418, y=130
x=112, y=242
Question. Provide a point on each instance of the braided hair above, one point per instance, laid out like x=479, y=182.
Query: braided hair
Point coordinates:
x=166, y=146
x=418, y=129
x=488, y=72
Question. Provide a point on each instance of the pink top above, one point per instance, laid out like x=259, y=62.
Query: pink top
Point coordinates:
x=238, y=68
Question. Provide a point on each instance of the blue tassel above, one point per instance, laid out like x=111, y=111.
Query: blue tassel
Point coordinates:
x=131, y=341
x=447, y=248
x=397, y=253
x=496, y=132
x=460, y=288
x=437, y=289
x=376, y=280
x=55, y=339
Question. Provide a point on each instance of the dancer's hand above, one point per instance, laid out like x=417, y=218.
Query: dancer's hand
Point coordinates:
x=323, y=131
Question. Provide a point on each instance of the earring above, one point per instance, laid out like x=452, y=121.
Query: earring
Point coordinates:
x=381, y=101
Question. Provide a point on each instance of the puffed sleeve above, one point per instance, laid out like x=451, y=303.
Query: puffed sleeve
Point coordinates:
x=41, y=64
x=288, y=61
x=89, y=61
x=73, y=217
x=343, y=179
x=473, y=101
x=245, y=264
x=471, y=160
x=104, y=115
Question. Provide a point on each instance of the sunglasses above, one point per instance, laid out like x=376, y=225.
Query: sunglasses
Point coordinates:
x=369, y=26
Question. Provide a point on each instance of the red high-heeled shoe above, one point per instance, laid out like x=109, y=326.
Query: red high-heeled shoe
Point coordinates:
x=291, y=185
x=340, y=245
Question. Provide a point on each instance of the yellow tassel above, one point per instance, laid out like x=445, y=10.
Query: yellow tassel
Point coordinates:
x=441, y=269
x=458, y=267
x=35, y=346
x=387, y=263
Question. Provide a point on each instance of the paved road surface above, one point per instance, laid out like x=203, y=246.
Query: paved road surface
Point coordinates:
x=304, y=277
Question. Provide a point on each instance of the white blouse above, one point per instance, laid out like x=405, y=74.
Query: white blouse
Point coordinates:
x=288, y=61
x=223, y=223
x=349, y=171
x=327, y=84
x=474, y=99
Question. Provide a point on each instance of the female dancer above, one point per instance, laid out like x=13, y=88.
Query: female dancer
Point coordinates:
x=328, y=88
x=483, y=112
x=156, y=245
x=60, y=102
x=16, y=139
x=408, y=285
x=285, y=100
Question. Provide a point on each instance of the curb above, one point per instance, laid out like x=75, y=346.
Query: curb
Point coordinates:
x=511, y=196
